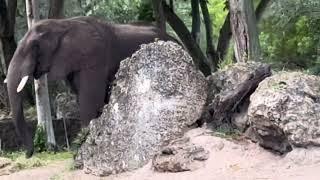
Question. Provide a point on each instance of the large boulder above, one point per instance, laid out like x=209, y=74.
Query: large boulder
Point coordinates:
x=158, y=93
x=229, y=92
x=284, y=112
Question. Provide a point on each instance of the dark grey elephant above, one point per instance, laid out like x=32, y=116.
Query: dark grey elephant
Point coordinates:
x=84, y=51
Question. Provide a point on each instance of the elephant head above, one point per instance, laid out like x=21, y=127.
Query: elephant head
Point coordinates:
x=31, y=60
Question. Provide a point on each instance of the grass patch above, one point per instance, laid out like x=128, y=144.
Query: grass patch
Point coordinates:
x=37, y=160
x=227, y=133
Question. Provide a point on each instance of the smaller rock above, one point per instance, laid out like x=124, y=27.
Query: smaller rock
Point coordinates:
x=219, y=146
x=180, y=155
x=303, y=156
x=6, y=167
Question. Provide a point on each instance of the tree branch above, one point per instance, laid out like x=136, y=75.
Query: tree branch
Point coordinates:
x=225, y=31
x=211, y=53
x=195, y=32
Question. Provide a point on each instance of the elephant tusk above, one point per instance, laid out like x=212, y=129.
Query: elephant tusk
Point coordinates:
x=23, y=82
x=5, y=80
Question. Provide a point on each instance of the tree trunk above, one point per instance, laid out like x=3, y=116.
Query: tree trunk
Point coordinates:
x=226, y=33
x=211, y=53
x=224, y=38
x=7, y=24
x=171, y=5
x=2, y=60
x=244, y=29
x=182, y=31
x=159, y=15
x=41, y=85
x=196, y=23
x=56, y=9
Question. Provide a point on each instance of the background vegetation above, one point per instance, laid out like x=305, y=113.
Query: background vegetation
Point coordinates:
x=289, y=30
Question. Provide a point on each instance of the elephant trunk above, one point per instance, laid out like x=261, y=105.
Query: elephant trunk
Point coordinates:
x=15, y=83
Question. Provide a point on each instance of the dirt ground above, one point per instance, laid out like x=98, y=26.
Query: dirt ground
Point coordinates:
x=228, y=160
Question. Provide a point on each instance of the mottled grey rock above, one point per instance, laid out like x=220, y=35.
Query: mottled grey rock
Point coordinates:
x=229, y=92
x=158, y=92
x=180, y=155
x=303, y=156
x=285, y=111
x=66, y=106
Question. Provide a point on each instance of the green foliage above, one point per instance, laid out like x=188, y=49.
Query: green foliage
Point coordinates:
x=218, y=12
x=290, y=35
x=145, y=11
x=287, y=12
x=295, y=48
x=227, y=133
x=23, y=163
x=229, y=59
x=121, y=11
x=40, y=140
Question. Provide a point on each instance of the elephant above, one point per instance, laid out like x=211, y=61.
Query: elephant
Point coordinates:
x=84, y=51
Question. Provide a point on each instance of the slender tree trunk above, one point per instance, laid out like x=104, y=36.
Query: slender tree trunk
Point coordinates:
x=226, y=33
x=224, y=38
x=56, y=9
x=211, y=53
x=159, y=15
x=2, y=60
x=244, y=29
x=196, y=22
x=41, y=85
x=182, y=31
x=171, y=5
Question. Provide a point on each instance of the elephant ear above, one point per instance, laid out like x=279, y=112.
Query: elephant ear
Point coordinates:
x=55, y=36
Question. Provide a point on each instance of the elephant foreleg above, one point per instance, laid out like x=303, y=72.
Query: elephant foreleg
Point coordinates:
x=91, y=94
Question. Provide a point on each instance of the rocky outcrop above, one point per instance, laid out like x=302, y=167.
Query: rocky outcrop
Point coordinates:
x=229, y=92
x=180, y=155
x=158, y=93
x=284, y=112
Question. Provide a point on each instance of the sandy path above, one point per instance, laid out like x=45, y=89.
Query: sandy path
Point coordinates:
x=41, y=173
x=228, y=161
